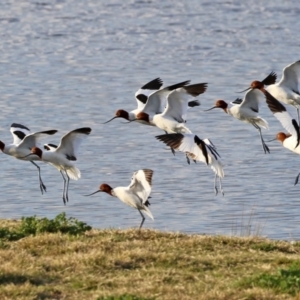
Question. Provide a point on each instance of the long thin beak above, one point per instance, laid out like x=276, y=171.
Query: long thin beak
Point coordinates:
x=28, y=155
x=110, y=120
x=247, y=89
x=93, y=193
x=211, y=108
x=271, y=140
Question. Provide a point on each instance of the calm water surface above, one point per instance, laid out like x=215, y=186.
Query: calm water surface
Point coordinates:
x=68, y=64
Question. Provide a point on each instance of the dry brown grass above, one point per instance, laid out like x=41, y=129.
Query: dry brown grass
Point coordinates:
x=149, y=265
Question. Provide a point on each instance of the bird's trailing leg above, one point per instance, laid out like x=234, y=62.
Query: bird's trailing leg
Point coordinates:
x=297, y=179
x=216, y=189
x=67, y=190
x=187, y=159
x=220, y=184
x=142, y=220
x=64, y=197
x=265, y=147
x=42, y=186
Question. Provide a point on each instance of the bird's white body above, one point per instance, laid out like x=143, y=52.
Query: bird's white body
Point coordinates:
x=168, y=124
x=287, y=89
x=130, y=197
x=61, y=163
x=248, y=110
x=173, y=117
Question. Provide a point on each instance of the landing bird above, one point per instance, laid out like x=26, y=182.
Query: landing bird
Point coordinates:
x=63, y=156
x=247, y=112
x=173, y=118
x=136, y=194
x=290, y=140
x=23, y=142
x=198, y=150
x=287, y=89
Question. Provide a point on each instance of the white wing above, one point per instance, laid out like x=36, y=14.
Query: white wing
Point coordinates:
x=252, y=99
x=157, y=100
x=143, y=93
x=281, y=114
x=32, y=139
x=195, y=148
x=70, y=142
x=18, y=132
x=291, y=76
x=141, y=183
x=178, y=100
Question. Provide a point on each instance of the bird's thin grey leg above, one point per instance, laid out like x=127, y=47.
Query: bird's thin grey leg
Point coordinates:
x=173, y=151
x=142, y=220
x=64, y=198
x=297, y=179
x=67, y=190
x=298, y=116
x=220, y=184
x=216, y=189
x=42, y=186
x=265, y=147
x=187, y=159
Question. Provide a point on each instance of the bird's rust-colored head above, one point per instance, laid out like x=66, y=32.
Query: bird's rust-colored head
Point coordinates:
x=257, y=85
x=220, y=104
x=105, y=188
x=37, y=151
x=142, y=116
x=281, y=136
x=120, y=113
x=2, y=146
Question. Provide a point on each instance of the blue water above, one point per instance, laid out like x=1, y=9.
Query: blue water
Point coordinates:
x=68, y=64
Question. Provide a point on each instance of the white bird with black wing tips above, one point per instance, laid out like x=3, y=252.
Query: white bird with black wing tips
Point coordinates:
x=136, y=194
x=173, y=117
x=23, y=142
x=197, y=150
x=141, y=97
x=287, y=89
x=63, y=157
x=247, y=111
x=290, y=140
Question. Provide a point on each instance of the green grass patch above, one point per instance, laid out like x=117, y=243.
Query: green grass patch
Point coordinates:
x=283, y=281
x=34, y=225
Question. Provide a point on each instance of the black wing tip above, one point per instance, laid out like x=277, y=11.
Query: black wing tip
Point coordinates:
x=148, y=174
x=84, y=130
x=202, y=146
x=178, y=85
x=237, y=101
x=50, y=132
x=19, y=134
x=47, y=146
x=143, y=98
x=16, y=125
x=274, y=105
x=154, y=84
x=194, y=103
x=196, y=89
x=270, y=79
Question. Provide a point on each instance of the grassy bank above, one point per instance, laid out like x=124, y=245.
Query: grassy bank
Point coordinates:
x=63, y=259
